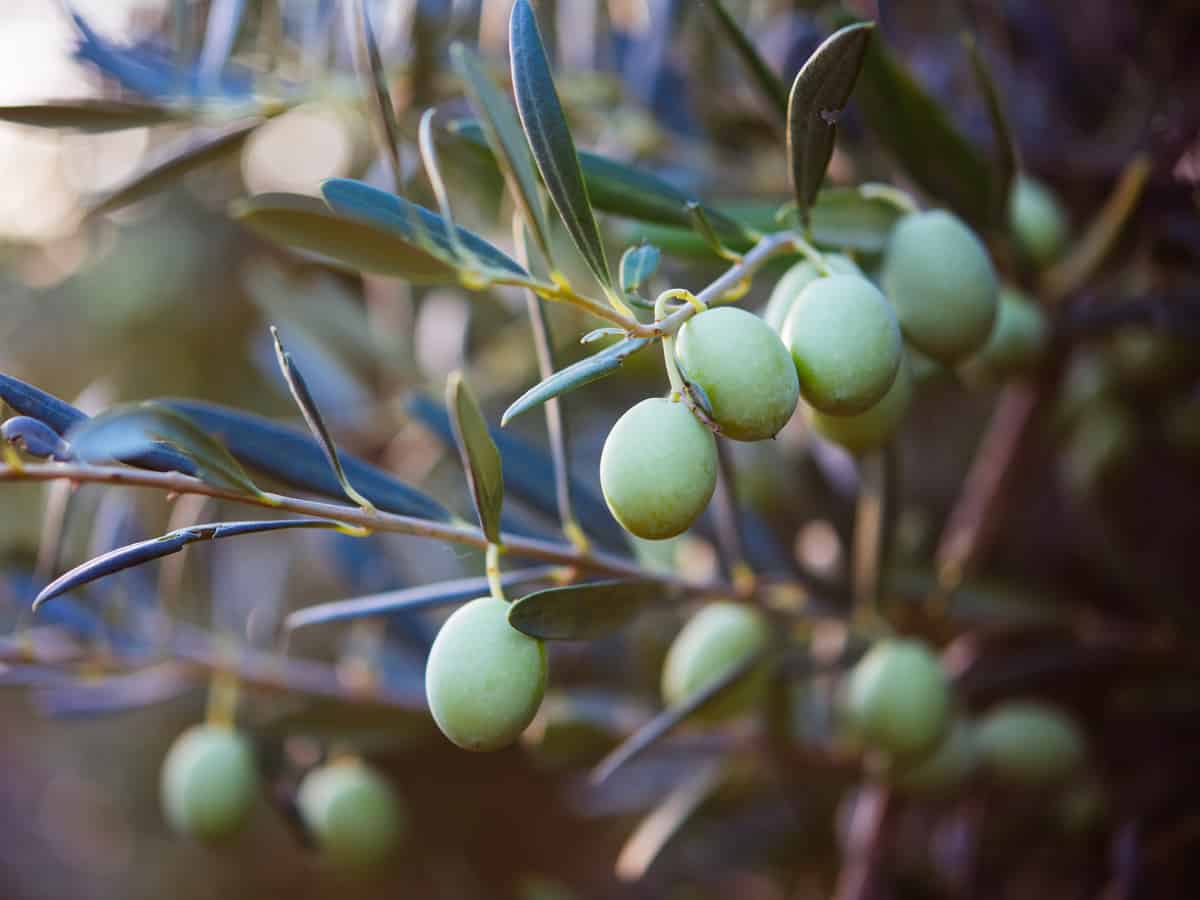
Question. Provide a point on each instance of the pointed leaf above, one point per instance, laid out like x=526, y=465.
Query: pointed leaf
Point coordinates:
x=550, y=139
x=480, y=458
x=576, y=375
x=1005, y=157
x=90, y=115
x=583, y=612
x=370, y=64
x=36, y=437
x=853, y=218
x=638, y=265
x=818, y=95
x=765, y=79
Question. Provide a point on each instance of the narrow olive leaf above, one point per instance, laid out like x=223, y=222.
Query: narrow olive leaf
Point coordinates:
x=146, y=551
x=125, y=432
x=414, y=599
x=662, y=724
x=312, y=416
x=550, y=139
x=220, y=33
x=429, y=159
x=139, y=689
x=767, y=81
x=852, y=218
x=36, y=437
x=596, y=333
x=296, y=459
x=818, y=96
x=480, y=458
x=369, y=63
x=1005, y=156
x=192, y=152
x=703, y=227
x=638, y=265
x=574, y=376
x=91, y=115
x=502, y=129
x=583, y=612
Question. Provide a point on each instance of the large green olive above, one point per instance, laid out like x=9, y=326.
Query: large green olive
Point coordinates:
x=796, y=279
x=658, y=469
x=352, y=813
x=872, y=428
x=484, y=679
x=208, y=782
x=715, y=640
x=845, y=343
x=1036, y=220
x=938, y=275
x=1018, y=337
x=744, y=369
x=1029, y=742
x=897, y=698
x=944, y=768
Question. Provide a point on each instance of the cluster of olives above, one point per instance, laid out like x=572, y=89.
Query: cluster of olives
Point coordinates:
x=210, y=781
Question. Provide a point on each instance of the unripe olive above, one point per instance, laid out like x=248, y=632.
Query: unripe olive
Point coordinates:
x=208, y=782
x=745, y=371
x=1037, y=220
x=658, y=469
x=352, y=813
x=872, y=428
x=845, y=343
x=898, y=699
x=484, y=679
x=938, y=275
x=1029, y=743
x=944, y=768
x=1018, y=337
x=715, y=640
x=796, y=279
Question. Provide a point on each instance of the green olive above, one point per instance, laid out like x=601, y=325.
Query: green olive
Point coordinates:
x=1018, y=337
x=897, y=698
x=872, y=428
x=484, y=680
x=352, y=813
x=944, y=768
x=938, y=275
x=658, y=469
x=1036, y=220
x=1029, y=742
x=796, y=279
x=845, y=343
x=208, y=782
x=715, y=640
x=744, y=369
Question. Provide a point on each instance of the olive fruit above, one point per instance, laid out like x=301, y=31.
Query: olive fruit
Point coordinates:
x=718, y=638
x=352, y=813
x=208, y=782
x=944, y=768
x=897, y=698
x=845, y=343
x=745, y=371
x=1018, y=337
x=872, y=428
x=796, y=279
x=658, y=469
x=484, y=679
x=1036, y=220
x=1029, y=743
x=938, y=275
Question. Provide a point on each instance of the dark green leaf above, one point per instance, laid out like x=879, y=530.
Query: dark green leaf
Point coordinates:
x=90, y=115
x=1005, y=157
x=818, y=96
x=638, y=265
x=767, y=81
x=480, y=458
x=703, y=227
x=192, y=152
x=583, y=372
x=550, y=139
x=383, y=113
x=583, y=612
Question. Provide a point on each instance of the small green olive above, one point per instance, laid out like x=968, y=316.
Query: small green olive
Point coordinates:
x=658, y=469
x=872, y=428
x=1036, y=220
x=352, y=813
x=484, y=679
x=744, y=369
x=938, y=275
x=1018, y=337
x=715, y=640
x=1029, y=743
x=944, y=768
x=897, y=698
x=796, y=279
x=845, y=343
x=208, y=782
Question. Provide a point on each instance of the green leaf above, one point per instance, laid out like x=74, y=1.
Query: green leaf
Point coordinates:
x=550, y=139
x=480, y=458
x=177, y=159
x=576, y=375
x=1005, y=156
x=507, y=142
x=819, y=93
x=371, y=70
x=768, y=82
x=638, y=264
x=90, y=115
x=583, y=612
x=853, y=218
x=126, y=431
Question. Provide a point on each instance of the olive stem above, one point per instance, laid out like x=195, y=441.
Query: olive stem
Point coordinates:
x=491, y=567
x=222, y=698
x=668, y=347
x=872, y=533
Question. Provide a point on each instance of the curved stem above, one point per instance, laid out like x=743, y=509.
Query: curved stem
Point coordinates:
x=491, y=567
